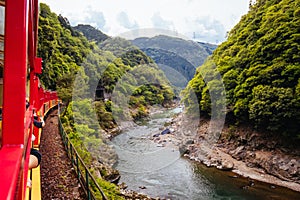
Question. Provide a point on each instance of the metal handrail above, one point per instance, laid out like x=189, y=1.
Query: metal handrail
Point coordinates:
x=81, y=168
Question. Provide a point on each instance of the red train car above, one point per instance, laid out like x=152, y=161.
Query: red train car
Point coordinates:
x=19, y=67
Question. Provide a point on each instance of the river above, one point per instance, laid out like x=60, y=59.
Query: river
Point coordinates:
x=160, y=171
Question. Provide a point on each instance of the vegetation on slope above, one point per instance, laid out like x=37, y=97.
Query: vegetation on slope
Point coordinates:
x=61, y=51
x=260, y=68
x=91, y=33
x=194, y=53
x=169, y=60
x=77, y=68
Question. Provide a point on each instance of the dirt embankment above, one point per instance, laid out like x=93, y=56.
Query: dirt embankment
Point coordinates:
x=242, y=150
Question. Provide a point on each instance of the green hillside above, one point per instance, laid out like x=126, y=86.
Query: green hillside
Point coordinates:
x=91, y=33
x=67, y=55
x=260, y=68
x=176, y=57
x=77, y=68
x=195, y=53
x=169, y=62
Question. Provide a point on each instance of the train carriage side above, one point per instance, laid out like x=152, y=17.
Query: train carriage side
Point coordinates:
x=19, y=69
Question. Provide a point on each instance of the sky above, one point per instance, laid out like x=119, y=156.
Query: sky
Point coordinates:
x=201, y=20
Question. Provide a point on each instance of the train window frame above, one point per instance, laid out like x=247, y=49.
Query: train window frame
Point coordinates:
x=2, y=26
x=2, y=36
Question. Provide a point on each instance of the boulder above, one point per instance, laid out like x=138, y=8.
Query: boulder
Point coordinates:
x=226, y=165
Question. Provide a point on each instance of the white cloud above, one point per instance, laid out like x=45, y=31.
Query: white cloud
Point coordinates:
x=213, y=17
x=124, y=21
x=159, y=22
x=94, y=17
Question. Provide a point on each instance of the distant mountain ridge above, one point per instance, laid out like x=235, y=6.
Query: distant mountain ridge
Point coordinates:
x=178, y=58
x=91, y=33
x=209, y=48
x=193, y=52
x=177, y=69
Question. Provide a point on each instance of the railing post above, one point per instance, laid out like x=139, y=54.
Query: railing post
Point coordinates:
x=77, y=165
x=87, y=184
x=67, y=146
x=65, y=141
x=71, y=153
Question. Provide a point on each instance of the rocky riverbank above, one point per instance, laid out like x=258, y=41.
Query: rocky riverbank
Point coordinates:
x=239, y=149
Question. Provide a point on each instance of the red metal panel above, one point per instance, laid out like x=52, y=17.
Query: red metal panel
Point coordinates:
x=11, y=159
x=40, y=97
x=36, y=22
x=33, y=89
x=25, y=169
x=14, y=131
x=31, y=43
x=14, y=80
x=38, y=65
x=20, y=38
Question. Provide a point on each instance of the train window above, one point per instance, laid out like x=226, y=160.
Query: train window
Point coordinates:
x=2, y=23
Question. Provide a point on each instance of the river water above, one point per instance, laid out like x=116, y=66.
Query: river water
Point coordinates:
x=160, y=171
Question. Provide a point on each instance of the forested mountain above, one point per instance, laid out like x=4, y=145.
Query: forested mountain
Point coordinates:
x=260, y=68
x=177, y=57
x=76, y=68
x=61, y=51
x=195, y=53
x=177, y=69
x=65, y=53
